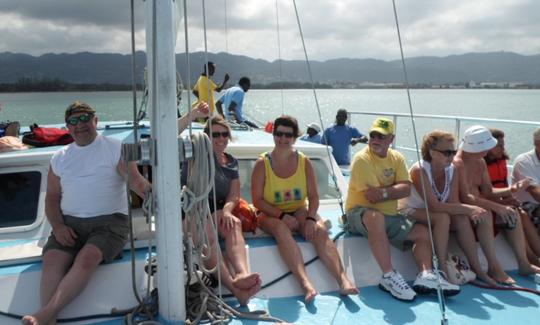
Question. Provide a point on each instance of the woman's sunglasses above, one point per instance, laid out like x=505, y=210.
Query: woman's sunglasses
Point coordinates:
x=224, y=134
x=81, y=118
x=287, y=135
x=447, y=153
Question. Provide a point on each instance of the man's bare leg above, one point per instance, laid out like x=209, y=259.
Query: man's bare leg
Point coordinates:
x=69, y=287
x=377, y=239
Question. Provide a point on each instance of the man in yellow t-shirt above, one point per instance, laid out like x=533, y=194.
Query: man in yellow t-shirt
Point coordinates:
x=205, y=87
x=379, y=178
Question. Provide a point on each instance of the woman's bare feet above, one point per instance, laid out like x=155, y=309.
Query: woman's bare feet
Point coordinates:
x=243, y=295
x=501, y=277
x=309, y=291
x=528, y=269
x=347, y=288
x=247, y=281
x=29, y=320
x=310, y=295
x=486, y=278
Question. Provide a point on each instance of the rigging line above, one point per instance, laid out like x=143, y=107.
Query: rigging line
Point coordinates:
x=280, y=61
x=133, y=81
x=226, y=28
x=212, y=160
x=334, y=178
x=188, y=68
x=440, y=296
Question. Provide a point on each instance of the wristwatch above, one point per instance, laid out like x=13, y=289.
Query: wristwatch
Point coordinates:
x=384, y=194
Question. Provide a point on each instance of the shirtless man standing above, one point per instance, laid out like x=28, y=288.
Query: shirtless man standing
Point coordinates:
x=475, y=189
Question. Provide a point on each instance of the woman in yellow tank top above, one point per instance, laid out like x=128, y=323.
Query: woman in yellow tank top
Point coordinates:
x=284, y=189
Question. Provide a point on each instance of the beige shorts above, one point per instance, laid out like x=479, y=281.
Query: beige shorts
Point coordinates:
x=398, y=227
x=109, y=233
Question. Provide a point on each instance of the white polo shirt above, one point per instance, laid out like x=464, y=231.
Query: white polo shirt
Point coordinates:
x=526, y=165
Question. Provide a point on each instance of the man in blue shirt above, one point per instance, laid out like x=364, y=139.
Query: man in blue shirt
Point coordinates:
x=230, y=105
x=340, y=137
x=312, y=133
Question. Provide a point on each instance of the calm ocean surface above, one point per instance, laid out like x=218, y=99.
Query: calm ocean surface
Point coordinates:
x=264, y=105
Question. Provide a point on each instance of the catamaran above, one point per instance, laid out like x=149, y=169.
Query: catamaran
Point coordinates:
x=148, y=283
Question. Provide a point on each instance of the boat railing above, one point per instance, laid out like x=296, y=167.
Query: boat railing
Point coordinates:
x=459, y=125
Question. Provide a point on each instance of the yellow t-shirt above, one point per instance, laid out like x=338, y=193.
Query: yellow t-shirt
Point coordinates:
x=287, y=194
x=370, y=169
x=202, y=87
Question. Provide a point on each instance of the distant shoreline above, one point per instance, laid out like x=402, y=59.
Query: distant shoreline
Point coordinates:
x=57, y=85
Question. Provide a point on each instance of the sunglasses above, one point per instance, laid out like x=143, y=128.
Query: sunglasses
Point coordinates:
x=81, y=118
x=224, y=134
x=447, y=153
x=287, y=135
x=378, y=136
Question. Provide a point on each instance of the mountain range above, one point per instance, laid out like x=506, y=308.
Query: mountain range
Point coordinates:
x=93, y=68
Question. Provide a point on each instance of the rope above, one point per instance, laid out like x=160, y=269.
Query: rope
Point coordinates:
x=280, y=62
x=334, y=178
x=440, y=295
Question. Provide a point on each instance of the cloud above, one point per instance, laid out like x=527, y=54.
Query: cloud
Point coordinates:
x=331, y=29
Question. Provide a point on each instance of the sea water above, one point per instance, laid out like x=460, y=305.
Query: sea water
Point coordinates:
x=265, y=105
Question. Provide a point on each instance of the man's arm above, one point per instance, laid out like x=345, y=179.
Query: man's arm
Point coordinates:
x=220, y=87
x=357, y=137
x=62, y=233
x=232, y=110
x=392, y=192
x=137, y=183
x=219, y=107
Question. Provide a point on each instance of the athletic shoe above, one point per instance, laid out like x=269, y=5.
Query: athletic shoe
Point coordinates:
x=427, y=282
x=396, y=285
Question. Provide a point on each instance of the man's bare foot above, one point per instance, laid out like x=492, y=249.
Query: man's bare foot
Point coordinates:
x=347, y=288
x=502, y=278
x=487, y=279
x=528, y=269
x=247, y=281
x=29, y=320
x=243, y=295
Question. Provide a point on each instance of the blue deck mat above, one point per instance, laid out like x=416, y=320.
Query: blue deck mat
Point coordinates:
x=472, y=306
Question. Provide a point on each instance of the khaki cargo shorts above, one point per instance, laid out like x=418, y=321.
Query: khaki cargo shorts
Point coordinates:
x=109, y=233
x=398, y=227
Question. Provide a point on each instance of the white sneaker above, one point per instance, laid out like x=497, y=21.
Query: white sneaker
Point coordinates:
x=427, y=282
x=396, y=285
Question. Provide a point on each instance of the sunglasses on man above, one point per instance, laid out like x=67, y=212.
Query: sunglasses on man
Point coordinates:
x=81, y=118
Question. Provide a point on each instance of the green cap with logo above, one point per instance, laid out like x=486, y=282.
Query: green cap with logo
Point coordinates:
x=382, y=125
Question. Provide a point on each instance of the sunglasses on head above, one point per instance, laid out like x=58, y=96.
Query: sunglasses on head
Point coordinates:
x=447, y=153
x=224, y=134
x=81, y=118
x=377, y=135
x=287, y=135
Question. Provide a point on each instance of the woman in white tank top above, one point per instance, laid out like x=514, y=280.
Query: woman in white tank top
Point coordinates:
x=441, y=183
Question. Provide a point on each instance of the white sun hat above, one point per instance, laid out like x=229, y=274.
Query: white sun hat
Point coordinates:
x=314, y=126
x=477, y=138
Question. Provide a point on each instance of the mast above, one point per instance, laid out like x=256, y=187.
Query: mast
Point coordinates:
x=160, y=42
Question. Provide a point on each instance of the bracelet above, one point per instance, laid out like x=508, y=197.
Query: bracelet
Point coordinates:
x=282, y=215
x=312, y=219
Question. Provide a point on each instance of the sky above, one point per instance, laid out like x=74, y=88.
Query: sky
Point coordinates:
x=332, y=29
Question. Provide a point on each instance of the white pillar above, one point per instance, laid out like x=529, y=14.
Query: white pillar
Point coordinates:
x=166, y=178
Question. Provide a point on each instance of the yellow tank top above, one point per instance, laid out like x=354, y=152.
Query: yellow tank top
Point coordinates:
x=287, y=194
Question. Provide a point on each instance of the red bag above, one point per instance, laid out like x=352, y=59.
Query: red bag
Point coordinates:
x=44, y=137
x=247, y=215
